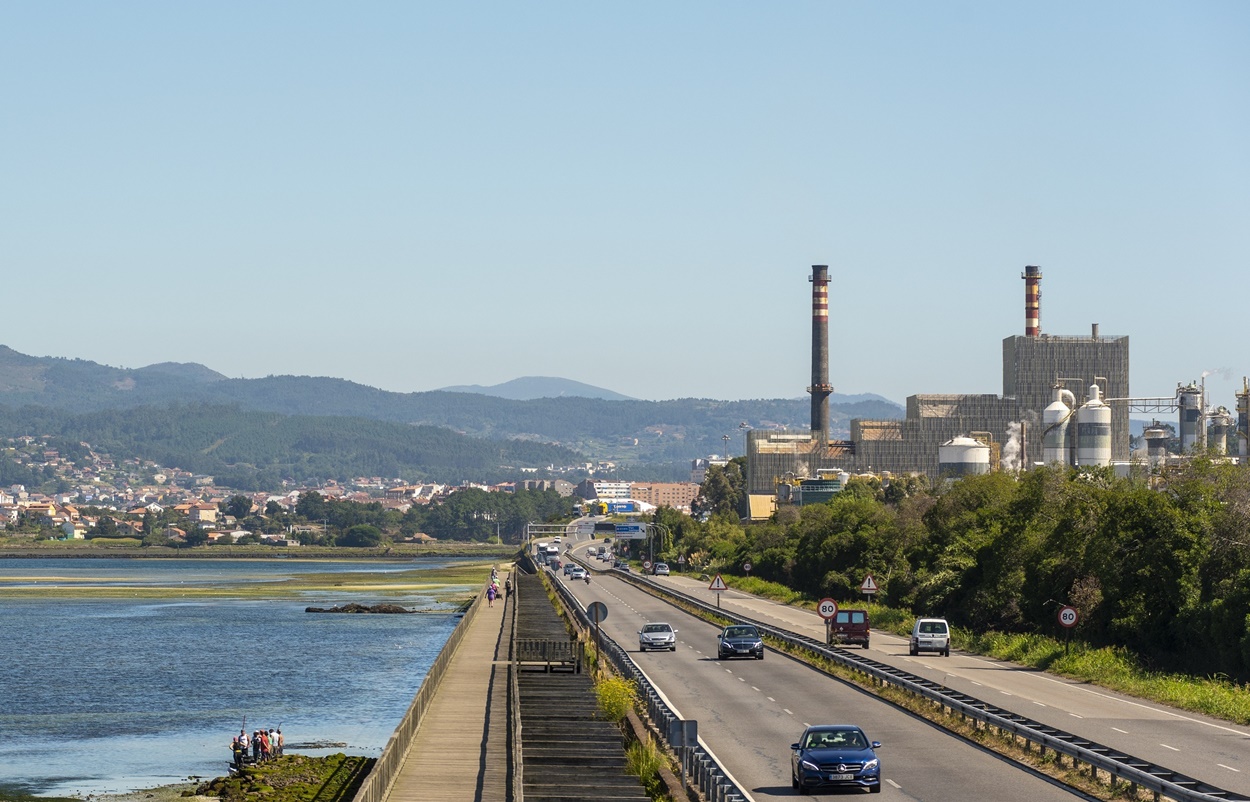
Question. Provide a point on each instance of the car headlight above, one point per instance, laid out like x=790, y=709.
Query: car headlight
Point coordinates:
x=809, y=765
x=759, y=644
x=872, y=764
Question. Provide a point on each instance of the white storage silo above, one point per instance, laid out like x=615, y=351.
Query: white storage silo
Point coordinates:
x=1193, y=434
x=1055, y=420
x=1156, y=444
x=963, y=456
x=1093, y=430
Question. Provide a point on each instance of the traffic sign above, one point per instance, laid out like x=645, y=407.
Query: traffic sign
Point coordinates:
x=630, y=532
x=718, y=584
x=597, y=611
x=746, y=567
x=827, y=608
x=681, y=559
x=869, y=585
x=646, y=565
x=1068, y=616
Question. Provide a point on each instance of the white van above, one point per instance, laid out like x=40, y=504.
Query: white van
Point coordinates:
x=930, y=635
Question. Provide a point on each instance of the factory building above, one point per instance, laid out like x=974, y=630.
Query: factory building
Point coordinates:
x=1010, y=425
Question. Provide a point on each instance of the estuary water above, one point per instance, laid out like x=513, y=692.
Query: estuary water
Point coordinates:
x=109, y=695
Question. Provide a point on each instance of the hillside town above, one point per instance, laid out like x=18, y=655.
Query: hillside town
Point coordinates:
x=70, y=492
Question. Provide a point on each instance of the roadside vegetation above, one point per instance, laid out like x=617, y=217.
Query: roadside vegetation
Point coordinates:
x=1159, y=572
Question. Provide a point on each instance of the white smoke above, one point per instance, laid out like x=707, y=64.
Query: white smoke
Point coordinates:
x=1011, y=449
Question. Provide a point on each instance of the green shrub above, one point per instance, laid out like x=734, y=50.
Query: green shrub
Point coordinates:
x=616, y=697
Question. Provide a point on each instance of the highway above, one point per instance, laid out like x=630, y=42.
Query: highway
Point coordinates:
x=1203, y=747
x=750, y=711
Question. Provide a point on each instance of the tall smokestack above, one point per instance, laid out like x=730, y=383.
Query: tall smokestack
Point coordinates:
x=1032, y=276
x=820, y=389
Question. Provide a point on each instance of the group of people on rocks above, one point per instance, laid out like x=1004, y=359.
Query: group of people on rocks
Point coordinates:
x=264, y=745
x=492, y=588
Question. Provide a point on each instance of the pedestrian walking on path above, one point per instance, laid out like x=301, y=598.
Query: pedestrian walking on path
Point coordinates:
x=490, y=596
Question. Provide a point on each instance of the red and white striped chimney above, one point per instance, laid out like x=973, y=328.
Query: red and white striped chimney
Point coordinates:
x=1032, y=276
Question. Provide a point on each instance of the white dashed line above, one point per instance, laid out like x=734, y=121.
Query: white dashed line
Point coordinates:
x=742, y=679
x=1230, y=768
x=754, y=688
x=1039, y=704
x=1117, y=729
x=1173, y=748
x=791, y=712
x=1074, y=715
x=979, y=685
x=1004, y=693
x=891, y=782
x=769, y=698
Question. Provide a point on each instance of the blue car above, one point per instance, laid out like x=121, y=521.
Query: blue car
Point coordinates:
x=835, y=756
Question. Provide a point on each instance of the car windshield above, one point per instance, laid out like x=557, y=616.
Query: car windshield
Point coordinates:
x=835, y=739
x=933, y=627
x=740, y=632
x=656, y=628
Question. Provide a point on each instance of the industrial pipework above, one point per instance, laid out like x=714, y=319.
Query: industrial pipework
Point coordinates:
x=820, y=389
x=1032, y=276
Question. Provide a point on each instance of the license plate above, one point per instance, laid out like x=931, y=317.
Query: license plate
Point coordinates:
x=841, y=776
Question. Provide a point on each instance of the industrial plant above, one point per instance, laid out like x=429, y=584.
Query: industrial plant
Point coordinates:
x=1065, y=400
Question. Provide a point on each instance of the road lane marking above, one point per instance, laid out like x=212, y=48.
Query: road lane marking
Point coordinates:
x=754, y=688
x=769, y=698
x=896, y=785
x=1173, y=748
x=1117, y=729
x=1039, y=704
x=979, y=685
x=1004, y=693
x=1074, y=715
x=791, y=712
x=1230, y=768
x=742, y=679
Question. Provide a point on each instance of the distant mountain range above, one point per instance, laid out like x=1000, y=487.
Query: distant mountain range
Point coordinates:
x=527, y=388
x=654, y=438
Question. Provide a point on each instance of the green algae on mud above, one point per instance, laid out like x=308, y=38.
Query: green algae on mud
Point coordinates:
x=293, y=778
x=450, y=583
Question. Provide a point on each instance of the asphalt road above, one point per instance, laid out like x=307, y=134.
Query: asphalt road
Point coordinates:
x=1203, y=747
x=750, y=711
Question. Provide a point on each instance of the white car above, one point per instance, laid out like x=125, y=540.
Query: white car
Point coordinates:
x=657, y=636
x=660, y=569
x=577, y=573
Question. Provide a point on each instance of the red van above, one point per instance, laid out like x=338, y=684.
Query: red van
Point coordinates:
x=849, y=626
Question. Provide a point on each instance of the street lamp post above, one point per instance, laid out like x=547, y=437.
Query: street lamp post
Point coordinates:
x=651, y=540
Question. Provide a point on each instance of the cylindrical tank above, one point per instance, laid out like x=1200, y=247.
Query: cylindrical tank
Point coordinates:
x=1221, y=425
x=1055, y=420
x=1093, y=430
x=963, y=456
x=1192, y=430
x=1243, y=418
x=1156, y=444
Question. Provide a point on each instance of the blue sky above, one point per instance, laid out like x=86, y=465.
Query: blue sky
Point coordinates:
x=414, y=195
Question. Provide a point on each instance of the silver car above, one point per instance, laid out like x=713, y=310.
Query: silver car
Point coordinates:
x=657, y=636
x=930, y=635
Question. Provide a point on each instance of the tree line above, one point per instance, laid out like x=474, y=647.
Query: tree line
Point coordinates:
x=1164, y=571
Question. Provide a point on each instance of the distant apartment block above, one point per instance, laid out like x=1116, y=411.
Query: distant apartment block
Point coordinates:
x=678, y=495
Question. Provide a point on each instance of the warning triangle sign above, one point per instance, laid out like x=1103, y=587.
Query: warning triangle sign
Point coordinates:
x=869, y=586
x=718, y=584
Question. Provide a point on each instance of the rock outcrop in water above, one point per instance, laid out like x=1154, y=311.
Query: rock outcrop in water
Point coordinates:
x=360, y=608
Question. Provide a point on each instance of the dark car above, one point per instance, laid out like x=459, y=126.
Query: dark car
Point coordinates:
x=849, y=626
x=836, y=756
x=740, y=640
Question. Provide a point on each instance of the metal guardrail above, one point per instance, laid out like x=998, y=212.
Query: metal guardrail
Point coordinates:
x=698, y=764
x=515, y=760
x=386, y=769
x=1133, y=771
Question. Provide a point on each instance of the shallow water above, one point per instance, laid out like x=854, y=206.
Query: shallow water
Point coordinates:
x=112, y=695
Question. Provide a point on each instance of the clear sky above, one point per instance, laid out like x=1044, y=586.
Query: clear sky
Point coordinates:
x=413, y=195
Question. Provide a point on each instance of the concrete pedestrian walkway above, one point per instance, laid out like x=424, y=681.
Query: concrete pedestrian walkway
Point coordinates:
x=460, y=752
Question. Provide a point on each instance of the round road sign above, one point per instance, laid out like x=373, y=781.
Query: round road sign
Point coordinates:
x=597, y=612
x=746, y=567
x=1068, y=616
x=827, y=608
x=646, y=565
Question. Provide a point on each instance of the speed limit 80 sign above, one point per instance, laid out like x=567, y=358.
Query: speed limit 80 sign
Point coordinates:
x=1068, y=616
x=827, y=608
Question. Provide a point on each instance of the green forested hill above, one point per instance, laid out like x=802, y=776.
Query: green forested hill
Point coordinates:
x=629, y=431
x=250, y=449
